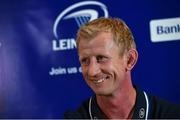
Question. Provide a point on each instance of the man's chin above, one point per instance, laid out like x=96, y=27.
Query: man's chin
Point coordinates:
x=102, y=93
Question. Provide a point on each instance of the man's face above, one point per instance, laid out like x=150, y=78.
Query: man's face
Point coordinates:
x=102, y=66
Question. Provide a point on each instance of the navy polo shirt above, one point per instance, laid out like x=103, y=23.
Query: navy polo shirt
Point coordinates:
x=146, y=107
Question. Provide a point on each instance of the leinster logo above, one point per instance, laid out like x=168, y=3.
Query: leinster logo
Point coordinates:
x=65, y=59
x=71, y=18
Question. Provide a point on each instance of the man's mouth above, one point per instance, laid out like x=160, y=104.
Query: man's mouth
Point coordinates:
x=100, y=80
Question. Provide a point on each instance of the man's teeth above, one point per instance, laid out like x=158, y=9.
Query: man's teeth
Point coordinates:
x=99, y=81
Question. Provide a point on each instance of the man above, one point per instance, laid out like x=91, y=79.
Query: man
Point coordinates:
x=107, y=53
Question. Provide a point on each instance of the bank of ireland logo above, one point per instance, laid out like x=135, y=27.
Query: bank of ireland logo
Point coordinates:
x=78, y=13
x=163, y=30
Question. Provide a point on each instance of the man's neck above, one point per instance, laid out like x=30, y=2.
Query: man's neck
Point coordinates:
x=120, y=104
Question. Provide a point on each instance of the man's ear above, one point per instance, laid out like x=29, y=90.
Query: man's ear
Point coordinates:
x=132, y=56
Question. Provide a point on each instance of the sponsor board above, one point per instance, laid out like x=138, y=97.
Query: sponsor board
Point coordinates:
x=165, y=29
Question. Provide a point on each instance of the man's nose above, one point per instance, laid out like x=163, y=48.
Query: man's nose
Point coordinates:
x=94, y=68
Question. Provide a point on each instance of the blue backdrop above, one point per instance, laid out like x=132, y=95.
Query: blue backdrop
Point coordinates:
x=40, y=75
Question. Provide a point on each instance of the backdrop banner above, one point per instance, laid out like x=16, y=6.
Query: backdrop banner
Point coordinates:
x=40, y=75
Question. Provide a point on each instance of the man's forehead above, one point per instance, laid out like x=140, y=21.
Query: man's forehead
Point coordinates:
x=96, y=44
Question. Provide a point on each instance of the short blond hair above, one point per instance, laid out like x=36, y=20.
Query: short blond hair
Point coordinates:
x=122, y=35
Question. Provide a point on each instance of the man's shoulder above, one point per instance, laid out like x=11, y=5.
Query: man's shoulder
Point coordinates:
x=161, y=108
x=81, y=112
x=155, y=107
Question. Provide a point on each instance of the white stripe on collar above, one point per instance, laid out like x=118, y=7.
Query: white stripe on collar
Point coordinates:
x=147, y=105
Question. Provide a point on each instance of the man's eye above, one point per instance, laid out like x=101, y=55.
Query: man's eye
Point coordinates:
x=100, y=58
x=85, y=61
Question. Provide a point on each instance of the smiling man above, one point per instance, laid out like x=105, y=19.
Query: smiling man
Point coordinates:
x=107, y=53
